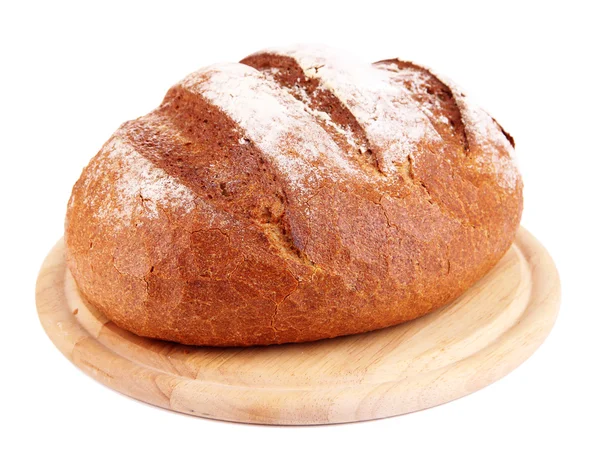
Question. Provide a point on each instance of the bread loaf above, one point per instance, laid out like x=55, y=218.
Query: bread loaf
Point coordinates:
x=297, y=195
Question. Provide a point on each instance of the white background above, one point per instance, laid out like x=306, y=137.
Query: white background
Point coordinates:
x=71, y=73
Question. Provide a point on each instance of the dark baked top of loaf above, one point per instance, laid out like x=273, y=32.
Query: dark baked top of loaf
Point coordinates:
x=293, y=196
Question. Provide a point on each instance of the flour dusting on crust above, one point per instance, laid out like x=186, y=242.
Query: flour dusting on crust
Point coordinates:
x=393, y=123
x=282, y=124
x=140, y=185
x=418, y=84
x=273, y=120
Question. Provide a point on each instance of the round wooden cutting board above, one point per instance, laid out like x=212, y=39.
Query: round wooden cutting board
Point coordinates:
x=474, y=341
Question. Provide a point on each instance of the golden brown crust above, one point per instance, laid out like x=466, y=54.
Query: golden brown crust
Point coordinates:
x=184, y=228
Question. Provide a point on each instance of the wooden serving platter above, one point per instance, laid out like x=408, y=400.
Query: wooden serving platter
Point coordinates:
x=452, y=352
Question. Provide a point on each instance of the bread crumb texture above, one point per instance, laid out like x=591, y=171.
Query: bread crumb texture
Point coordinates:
x=295, y=196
